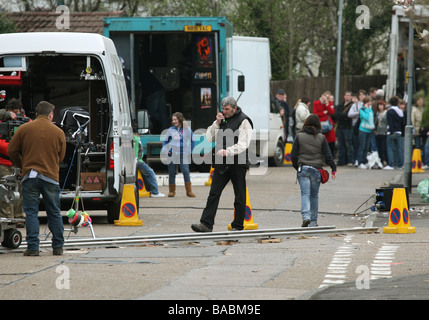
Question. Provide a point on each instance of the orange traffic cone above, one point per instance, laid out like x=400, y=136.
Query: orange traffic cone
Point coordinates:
x=416, y=163
x=399, y=218
x=287, y=159
x=248, y=218
x=142, y=188
x=128, y=216
x=209, y=182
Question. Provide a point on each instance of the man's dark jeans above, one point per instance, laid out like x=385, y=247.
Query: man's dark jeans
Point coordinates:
x=345, y=146
x=237, y=175
x=31, y=190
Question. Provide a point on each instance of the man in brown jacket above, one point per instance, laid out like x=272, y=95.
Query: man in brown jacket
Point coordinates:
x=37, y=148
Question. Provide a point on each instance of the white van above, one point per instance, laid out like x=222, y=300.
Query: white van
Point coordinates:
x=82, y=76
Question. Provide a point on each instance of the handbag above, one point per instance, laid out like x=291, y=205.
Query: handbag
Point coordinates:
x=324, y=175
x=326, y=126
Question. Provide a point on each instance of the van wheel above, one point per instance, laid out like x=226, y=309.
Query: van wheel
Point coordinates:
x=113, y=210
x=278, y=158
x=136, y=192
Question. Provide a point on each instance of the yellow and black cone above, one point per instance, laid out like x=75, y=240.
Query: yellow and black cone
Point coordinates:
x=399, y=218
x=209, y=181
x=416, y=163
x=248, y=218
x=128, y=215
x=142, y=187
x=287, y=157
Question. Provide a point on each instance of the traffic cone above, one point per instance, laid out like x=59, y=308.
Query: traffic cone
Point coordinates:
x=287, y=158
x=248, y=217
x=416, y=163
x=142, y=187
x=399, y=218
x=128, y=216
x=209, y=182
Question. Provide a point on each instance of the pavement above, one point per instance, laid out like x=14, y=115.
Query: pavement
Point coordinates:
x=245, y=270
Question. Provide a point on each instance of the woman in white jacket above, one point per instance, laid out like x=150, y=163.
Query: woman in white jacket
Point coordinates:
x=302, y=111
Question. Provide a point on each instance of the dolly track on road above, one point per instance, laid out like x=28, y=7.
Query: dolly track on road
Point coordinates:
x=226, y=235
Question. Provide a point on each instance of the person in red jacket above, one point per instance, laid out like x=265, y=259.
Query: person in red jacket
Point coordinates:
x=324, y=109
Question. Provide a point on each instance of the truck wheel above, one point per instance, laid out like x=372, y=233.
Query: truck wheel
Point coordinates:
x=277, y=159
x=12, y=239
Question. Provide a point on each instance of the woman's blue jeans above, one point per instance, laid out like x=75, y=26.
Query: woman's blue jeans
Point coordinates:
x=32, y=188
x=364, y=146
x=172, y=169
x=309, y=182
x=149, y=177
x=182, y=160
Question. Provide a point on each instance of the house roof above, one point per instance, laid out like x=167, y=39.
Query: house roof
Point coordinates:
x=47, y=21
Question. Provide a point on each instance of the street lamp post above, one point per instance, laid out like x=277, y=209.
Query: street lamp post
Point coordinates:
x=408, y=145
x=338, y=71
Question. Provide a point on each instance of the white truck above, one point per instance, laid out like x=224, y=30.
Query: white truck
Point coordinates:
x=251, y=58
x=82, y=76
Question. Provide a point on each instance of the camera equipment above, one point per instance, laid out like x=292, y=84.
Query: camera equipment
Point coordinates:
x=383, y=199
x=9, y=236
x=74, y=121
x=9, y=187
x=9, y=127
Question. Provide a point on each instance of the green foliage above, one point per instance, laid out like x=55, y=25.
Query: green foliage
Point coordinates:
x=362, y=49
x=185, y=7
x=303, y=34
x=6, y=26
x=286, y=24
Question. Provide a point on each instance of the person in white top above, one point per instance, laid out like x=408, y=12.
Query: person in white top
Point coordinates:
x=302, y=111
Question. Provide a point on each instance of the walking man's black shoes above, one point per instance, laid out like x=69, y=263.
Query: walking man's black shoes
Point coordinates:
x=200, y=228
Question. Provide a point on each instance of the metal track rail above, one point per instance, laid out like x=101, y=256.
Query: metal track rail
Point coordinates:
x=227, y=235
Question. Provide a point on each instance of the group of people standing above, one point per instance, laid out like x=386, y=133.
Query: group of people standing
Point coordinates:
x=365, y=130
x=370, y=130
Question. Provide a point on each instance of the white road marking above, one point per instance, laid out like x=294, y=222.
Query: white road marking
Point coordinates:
x=337, y=269
x=381, y=266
